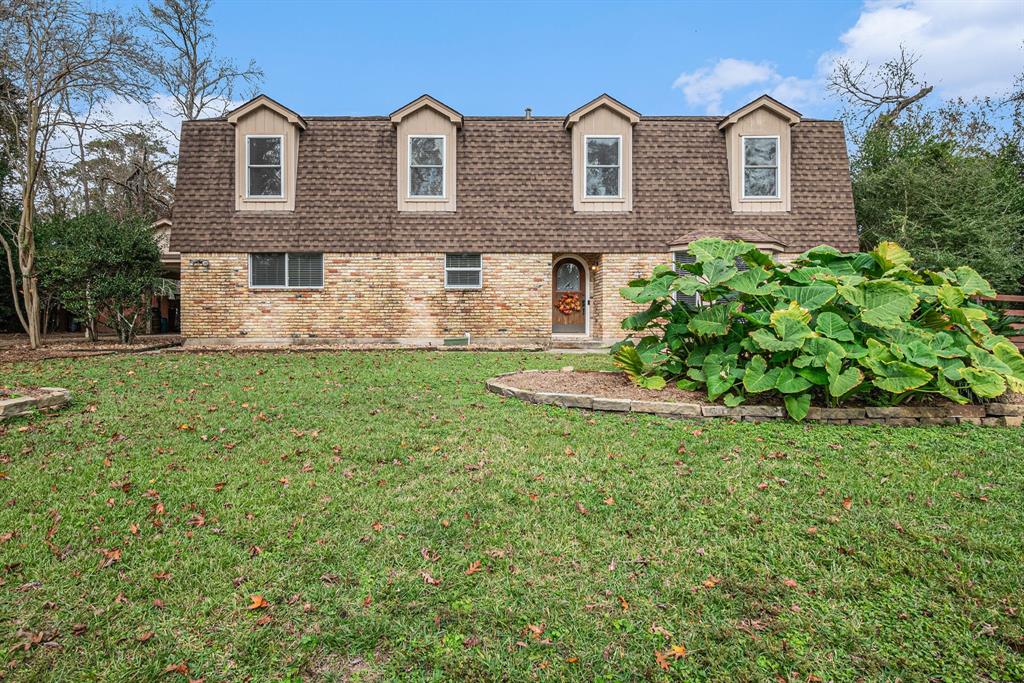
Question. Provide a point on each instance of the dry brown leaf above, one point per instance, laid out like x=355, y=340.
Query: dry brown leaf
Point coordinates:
x=474, y=567
x=258, y=602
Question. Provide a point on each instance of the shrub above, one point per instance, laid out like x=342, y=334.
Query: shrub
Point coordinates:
x=832, y=325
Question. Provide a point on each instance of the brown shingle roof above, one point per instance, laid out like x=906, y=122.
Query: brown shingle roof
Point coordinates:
x=514, y=191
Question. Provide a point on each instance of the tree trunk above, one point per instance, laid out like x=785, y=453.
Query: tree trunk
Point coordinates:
x=26, y=236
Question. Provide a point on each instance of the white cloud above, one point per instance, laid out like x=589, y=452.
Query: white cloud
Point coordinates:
x=708, y=86
x=965, y=49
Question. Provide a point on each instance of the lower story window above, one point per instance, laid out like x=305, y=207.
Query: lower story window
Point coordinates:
x=300, y=270
x=463, y=271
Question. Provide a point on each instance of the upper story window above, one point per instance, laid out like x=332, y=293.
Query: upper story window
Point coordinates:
x=760, y=166
x=603, y=166
x=264, y=165
x=426, y=166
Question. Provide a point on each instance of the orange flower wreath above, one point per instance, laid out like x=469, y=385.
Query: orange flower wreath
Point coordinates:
x=570, y=303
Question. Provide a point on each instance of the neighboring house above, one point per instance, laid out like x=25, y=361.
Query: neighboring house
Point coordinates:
x=166, y=312
x=427, y=224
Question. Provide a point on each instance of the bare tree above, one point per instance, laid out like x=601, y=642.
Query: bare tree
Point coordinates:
x=879, y=95
x=55, y=53
x=184, y=63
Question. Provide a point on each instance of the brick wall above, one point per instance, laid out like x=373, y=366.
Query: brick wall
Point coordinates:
x=370, y=297
x=399, y=297
x=614, y=272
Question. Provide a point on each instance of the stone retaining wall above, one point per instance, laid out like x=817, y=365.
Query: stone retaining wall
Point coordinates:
x=44, y=397
x=988, y=415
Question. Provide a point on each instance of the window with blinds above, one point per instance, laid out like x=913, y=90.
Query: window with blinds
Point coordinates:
x=294, y=270
x=463, y=271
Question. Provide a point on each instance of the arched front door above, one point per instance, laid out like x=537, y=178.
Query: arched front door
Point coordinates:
x=569, y=297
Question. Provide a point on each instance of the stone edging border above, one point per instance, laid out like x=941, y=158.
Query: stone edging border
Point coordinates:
x=988, y=415
x=46, y=397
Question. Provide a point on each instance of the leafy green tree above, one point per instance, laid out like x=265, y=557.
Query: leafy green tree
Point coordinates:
x=101, y=268
x=945, y=181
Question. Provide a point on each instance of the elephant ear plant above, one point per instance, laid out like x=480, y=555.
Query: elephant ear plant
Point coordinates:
x=831, y=325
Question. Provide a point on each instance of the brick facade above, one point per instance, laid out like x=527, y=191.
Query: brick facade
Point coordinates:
x=399, y=298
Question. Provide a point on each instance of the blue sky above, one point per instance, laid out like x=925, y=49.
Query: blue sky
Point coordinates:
x=496, y=58
x=486, y=58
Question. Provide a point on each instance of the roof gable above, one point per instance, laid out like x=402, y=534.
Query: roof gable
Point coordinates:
x=602, y=100
x=427, y=101
x=764, y=101
x=264, y=101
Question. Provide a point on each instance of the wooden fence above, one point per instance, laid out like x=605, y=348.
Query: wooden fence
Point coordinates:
x=1011, y=304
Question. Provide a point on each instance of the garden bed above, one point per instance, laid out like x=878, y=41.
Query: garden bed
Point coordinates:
x=18, y=401
x=612, y=391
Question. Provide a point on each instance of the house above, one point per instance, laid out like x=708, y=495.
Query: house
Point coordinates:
x=426, y=224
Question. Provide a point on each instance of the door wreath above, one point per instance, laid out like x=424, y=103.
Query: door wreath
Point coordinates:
x=570, y=303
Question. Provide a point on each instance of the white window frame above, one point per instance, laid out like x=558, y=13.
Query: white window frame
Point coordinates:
x=281, y=141
x=286, y=285
x=477, y=270
x=743, y=166
x=601, y=197
x=444, y=170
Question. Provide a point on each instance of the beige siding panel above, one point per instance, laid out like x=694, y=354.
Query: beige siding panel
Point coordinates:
x=602, y=121
x=426, y=121
x=264, y=121
x=758, y=122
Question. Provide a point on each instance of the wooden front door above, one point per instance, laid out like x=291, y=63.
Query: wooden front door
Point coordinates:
x=569, y=297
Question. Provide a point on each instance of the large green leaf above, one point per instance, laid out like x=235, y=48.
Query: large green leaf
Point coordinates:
x=1011, y=357
x=818, y=348
x=898, y=377
x=811, y=297
x=889, y=255
x=919, y=353
x=749, y=281
x=758, y=378
x=798, y=406
x=718, y=372
x=948, y=390
x=711, y=248
x=981, y=358
x=769, y=342
x=985, y=383
x=712, y=321
x=833, y=326
x=887, y=303
x=972, y=283
x=791, y=383
x=950, y=296
x=717, y=271
x=841, y=382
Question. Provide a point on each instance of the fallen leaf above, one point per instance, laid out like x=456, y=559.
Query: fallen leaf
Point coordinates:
x=678, y=651
x=711, y=581
x=847, y=503
x=368, y=600
x=580, y=509
x=258, y=602
x=177, y=669
x=661, y=659
x=609, y=501
x=110, y=557
x=428, y=579
x=474, y=567
x=789, y=583
x=264, y=620
x=536, y=630
x=143, y=637
x=624, y=604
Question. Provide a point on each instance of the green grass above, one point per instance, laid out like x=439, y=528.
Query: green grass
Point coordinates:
x=342, y=468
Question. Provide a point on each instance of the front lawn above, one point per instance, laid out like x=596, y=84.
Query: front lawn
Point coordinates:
x=395, y=520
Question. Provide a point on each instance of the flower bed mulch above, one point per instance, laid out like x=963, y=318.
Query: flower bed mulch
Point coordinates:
x=612, y=391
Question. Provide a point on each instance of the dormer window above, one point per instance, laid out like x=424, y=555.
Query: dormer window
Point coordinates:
x=264, y=166
x=604, y=166
x=760, y=167
x=426, y=166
